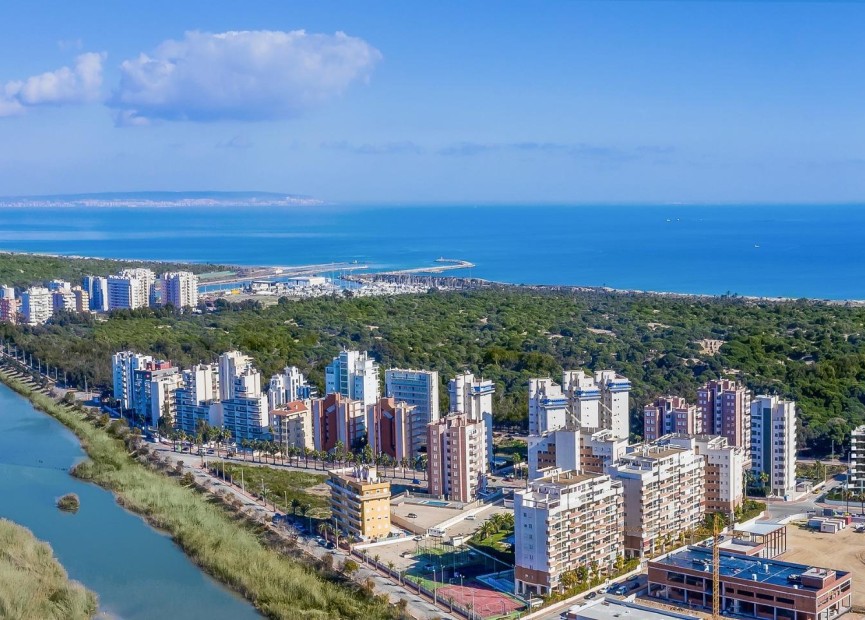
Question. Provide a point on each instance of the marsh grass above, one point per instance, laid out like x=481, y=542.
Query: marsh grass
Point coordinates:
x=33, y=584
x=230, y=549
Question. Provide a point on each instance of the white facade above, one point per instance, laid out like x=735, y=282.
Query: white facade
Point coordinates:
x=663, y=491
x=564, y=521
x=63, y=300
x=59, y=285
x=559, y=449
x=548, y=406
x=599, y=401
x=232, y=366
x=354, y=375
x=36, y=305
x=773, y=444
x=724, y=472
x=292, y=425
x=288, y=386
x=856, y=481
x=154, y=391
x=419, y=389
x=474, y=397
x=198, y=400
x=130, y=289
x=246, y=417
x=180, y=289
x=123, y=367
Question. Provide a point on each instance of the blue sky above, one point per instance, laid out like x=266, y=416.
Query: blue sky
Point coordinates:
x=569, y=102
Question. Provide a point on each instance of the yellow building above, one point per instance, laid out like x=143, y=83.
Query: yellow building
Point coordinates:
x=360, y=502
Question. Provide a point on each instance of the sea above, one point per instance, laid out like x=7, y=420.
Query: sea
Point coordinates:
x=813, y=251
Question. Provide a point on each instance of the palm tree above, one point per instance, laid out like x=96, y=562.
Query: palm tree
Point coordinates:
x=307, y=452
x=244, y=444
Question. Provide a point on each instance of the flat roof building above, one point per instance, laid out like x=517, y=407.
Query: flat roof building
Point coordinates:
x=457, y=461
x=292, y=425
x=751, y=587
x=670, y=414
x=359, y=502
x=419, y=389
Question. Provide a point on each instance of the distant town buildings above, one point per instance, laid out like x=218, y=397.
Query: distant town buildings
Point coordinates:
x=564, y=521
x=419, y=389
x=354, y=375
x=130, y=289
x=457, y=458
x=97, y=291
x=773, y=444
x=359, y=502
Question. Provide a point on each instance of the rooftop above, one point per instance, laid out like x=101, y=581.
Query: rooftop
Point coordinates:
x=762, y=570
x=565, y=478
x=604, y=609
x=760, y=529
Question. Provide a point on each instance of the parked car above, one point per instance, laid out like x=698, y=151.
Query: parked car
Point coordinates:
x=415, y=481
x=470, y=518
x=591, y=595
x=411, y=515
x=621, y=590
x=330, y=545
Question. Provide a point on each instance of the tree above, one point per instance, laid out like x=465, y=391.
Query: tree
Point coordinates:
x=349, y=567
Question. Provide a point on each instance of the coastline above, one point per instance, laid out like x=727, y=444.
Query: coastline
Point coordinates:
x=228, y=549
x=470, y=282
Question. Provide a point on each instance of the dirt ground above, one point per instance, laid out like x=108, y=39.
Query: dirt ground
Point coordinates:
x=843, y=551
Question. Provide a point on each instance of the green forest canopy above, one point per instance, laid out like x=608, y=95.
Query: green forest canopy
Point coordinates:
x=811, y=352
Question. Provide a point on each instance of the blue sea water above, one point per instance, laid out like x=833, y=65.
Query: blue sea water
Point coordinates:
x=790, y=251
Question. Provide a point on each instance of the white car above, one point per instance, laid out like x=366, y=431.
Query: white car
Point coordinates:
x=470, y=518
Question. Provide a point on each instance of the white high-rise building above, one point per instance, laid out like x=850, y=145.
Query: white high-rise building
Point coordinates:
x=558, y=449
x=198, y=400
x=288, y=386
x=773, y=444
x=154, y=387
x=59, y=285
x=599, y=401
x=123, y=367
x=856, y=479
x=474, y=397
x=180, y=289
x=564, y=521
x=36, y=305
x=548, y=406
x=418, y=389
x=63, y=299
x=130, y=289
x=232, y=365
x=244, y=406
x=354, y=375
x=725, y=469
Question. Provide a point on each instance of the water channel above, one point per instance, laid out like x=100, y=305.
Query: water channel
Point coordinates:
x=137, y=571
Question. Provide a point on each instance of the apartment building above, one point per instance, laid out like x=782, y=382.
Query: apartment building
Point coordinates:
x=725, y=468
x=670, y=415
x=180, y=289
x=391, y=425
x=287, y=386
x=559, y=450
x=123, y=367
x=336, y=418
x=236, y=373
x=856, y=478
x=418, y=389
x=359, y=502
x=663, y=492
x=82, y=299
x=9, y=309
x=600, y=449
x=97, y=291
x=130, y=289
x=354, y=375
x=548, y=406
x=564, y=521
x=599, y=401
x=474, y=397
x=773, y=444
x=244, y=406
x=62, y=300
x=725, y=408
x=197, y=400
x=153, y=386
x=36, y=305
x=292, y=425
x=456, y=457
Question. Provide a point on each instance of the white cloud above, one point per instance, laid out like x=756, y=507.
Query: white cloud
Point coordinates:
x=247, y=75
x=67, y=85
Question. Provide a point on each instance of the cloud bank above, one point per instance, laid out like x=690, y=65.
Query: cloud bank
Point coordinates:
x=67, y=85
x=240, y=75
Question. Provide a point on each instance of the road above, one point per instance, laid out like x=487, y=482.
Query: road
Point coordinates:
x=418, y=606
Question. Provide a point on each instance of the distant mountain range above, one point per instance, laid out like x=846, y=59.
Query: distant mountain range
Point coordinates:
x=162, y=199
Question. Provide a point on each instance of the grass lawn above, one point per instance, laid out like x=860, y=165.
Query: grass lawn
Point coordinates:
x=495, y=547
x=282, y=486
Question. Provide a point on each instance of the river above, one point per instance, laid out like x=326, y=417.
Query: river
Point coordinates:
x=138, y=572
